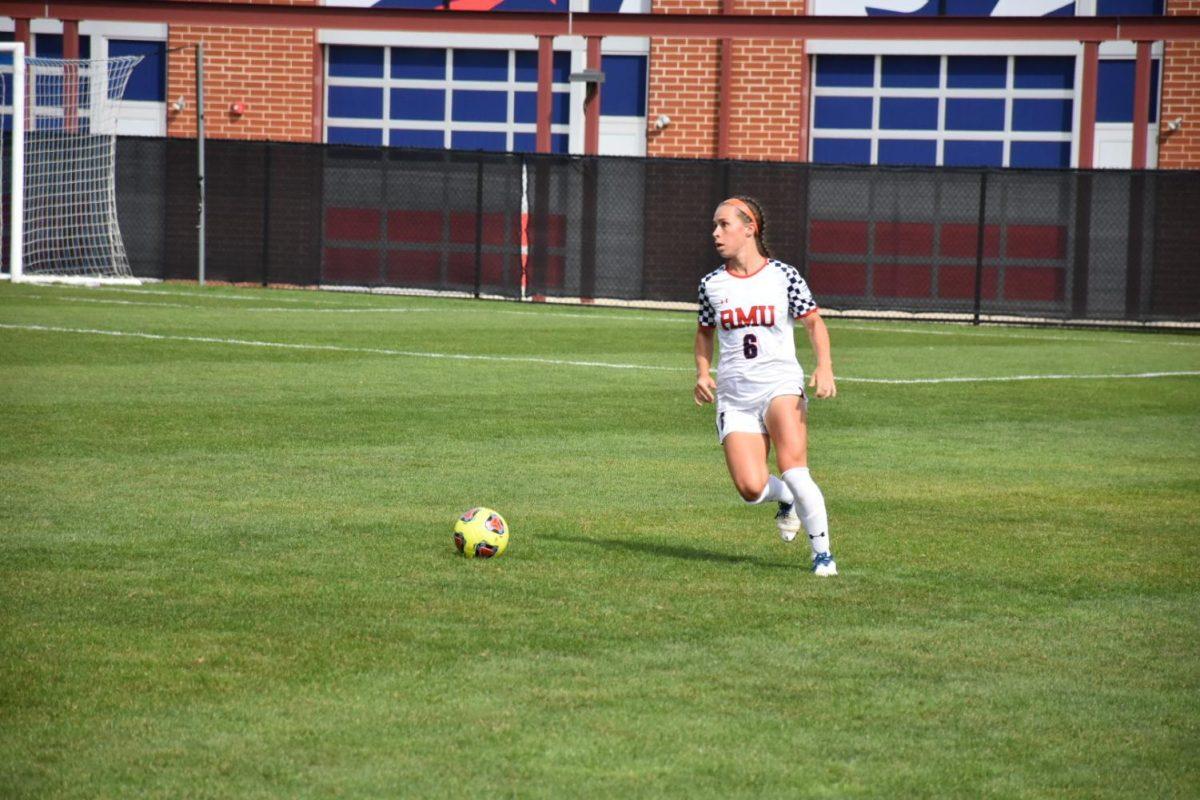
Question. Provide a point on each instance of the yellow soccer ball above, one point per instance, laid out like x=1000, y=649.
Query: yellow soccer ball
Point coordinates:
x=481, y=533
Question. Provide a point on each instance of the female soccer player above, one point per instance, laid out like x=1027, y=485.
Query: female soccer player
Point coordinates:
x=751, y=301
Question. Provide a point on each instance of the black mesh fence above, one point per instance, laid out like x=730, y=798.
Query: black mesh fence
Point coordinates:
x=1032, y=244
x=312, y=215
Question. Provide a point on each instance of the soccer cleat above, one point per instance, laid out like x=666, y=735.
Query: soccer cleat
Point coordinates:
x=788, y=522
x=824, y=565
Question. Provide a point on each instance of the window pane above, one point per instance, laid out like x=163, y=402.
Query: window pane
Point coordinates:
x=481, y=65
x=843, y=112
x=408, y=138
x=477, y=140
x=841, y=151
x=908, y=113
x=357, y=102
x=1114, y=95
x=977, y=72
x=1041, y=115
x=355, y=62
x=527, y=66
x=973, y=154
x=527, y=143
x=1044, y=72
x=845, y=70
x=48, y=123
x=1154, y=64
x=911, y=71
x=1040, y=154
x=624, y=90
x=907, y=151
x=419, y=63
x=525, y=107
x=50, y=45
x=369, y=136
x=418, y=104
x=148, y=82
x=966, y=114
x=477, y=106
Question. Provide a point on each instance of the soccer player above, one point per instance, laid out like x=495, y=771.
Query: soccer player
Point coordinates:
x=751, y=302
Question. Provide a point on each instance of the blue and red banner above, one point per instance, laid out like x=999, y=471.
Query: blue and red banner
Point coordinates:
x=546, y=6
x=947, y=8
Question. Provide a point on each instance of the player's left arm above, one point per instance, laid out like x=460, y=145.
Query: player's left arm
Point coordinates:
x=822, y=375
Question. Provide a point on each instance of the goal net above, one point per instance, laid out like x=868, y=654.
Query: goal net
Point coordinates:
x=59, y=163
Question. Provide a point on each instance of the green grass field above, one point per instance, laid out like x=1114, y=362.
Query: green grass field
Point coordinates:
x=226, y=567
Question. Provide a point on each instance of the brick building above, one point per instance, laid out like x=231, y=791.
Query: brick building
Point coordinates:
x=931, y=103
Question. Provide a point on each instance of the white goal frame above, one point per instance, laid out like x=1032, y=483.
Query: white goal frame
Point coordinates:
x=15, y=160
x=16, y=220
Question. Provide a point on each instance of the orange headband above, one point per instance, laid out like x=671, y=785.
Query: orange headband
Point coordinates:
x=745, y=209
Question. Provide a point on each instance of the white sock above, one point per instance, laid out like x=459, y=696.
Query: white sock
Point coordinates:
x=775, y=490
x=811, y=507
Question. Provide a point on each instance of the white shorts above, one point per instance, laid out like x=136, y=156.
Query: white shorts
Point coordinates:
x=751, y=417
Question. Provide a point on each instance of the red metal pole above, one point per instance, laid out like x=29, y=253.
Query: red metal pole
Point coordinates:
x=1087, y=105
x=21, y=33
x=1141, y=104
x=805, y=100
x=70, y=38
x=70, y=75
x=318, y=92
x=591, y=105
x=545, y=94
x=725, y=88
x=724, y=97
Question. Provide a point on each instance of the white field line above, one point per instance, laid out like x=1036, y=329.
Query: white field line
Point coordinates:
x=331, y=310
x=566, y=362
x=334, y=309
x=985, y=334
x=195, y=295
x=670, y=318
x=106, y=301
x=1009, y=378
x=338, y=348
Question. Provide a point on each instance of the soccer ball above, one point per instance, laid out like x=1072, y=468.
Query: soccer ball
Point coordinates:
x=481, y=533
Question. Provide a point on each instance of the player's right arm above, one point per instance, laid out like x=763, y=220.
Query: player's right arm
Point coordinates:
x=706, y=387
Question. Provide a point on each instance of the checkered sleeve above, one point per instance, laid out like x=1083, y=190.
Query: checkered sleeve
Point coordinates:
x=800, y=299
x=708, y=315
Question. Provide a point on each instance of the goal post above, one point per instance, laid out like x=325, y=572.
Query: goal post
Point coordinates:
x=60, y=163
x=12, y=162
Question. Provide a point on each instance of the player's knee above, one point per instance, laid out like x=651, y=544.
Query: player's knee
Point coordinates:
x=789, y=457
x=751, y=490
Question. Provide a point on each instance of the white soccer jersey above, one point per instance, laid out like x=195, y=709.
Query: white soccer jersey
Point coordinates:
x=754, y=317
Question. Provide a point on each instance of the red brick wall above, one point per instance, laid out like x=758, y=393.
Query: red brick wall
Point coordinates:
x=766, y=116
x=269, y=70
x=683, y=86
x=1181, y=97
x=768, y=81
